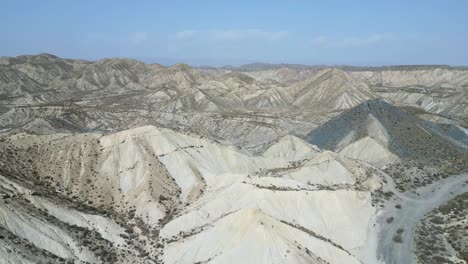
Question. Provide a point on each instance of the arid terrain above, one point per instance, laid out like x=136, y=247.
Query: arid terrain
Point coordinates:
x=118, y=161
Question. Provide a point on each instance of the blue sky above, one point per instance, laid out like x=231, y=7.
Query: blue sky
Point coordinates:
x=234, y=32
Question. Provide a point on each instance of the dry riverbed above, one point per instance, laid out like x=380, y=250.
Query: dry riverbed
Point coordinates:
x=401, y=214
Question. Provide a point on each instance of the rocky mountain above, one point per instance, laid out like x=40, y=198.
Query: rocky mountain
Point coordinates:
x=377, y=123
x=413, y=150
x=291, y=148
x=150, y=193
x=118, y=161
x=116, y=94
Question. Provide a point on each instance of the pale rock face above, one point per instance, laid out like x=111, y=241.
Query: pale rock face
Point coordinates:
x=257, y=238
x=428, y=86
x=346, y=140
x=370, y=150
x=234, y=212
x=233, y=218
x=326, y=168
x=376, y=130
x=232, y=223
x=192, y=161
x=346, y=93
x=42, y=234
x=442, y=77
x=291, y=148
x=108, y=229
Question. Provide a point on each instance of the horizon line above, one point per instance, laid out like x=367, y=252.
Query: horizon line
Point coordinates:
x=153, y=60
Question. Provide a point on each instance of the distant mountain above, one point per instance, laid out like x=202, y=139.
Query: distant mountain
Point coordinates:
x=387, y=127
x=331, y=90
x=258, y=66
x=264, y=99
x=415, y=152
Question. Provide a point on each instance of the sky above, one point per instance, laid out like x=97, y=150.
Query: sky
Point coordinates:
x=216, y=33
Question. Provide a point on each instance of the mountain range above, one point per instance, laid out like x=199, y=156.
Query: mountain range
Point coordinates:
x=118, y=161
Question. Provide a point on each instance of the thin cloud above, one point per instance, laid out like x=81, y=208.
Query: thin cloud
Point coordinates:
x=186, y=34
x=351, y=42
x=232, y=34
x=139, y=37
x=321, y=40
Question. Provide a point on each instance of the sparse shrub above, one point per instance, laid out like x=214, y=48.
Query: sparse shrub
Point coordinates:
x=398, y=239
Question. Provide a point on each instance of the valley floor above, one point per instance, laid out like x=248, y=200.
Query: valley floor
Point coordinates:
x=396, y=243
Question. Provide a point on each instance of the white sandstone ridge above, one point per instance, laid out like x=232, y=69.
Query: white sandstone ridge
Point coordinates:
x=193, y=162
x=329, y=168
x=370, y=150
x=139, y=167
x=22, y=221
x=330, y=89
x=280, y=217
x=107, y=228
x=43, y=234
x=447, y=78
x=248, y=223
x=373, y=148
x=23, y=218
x=218, y=204
x=291, y=148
